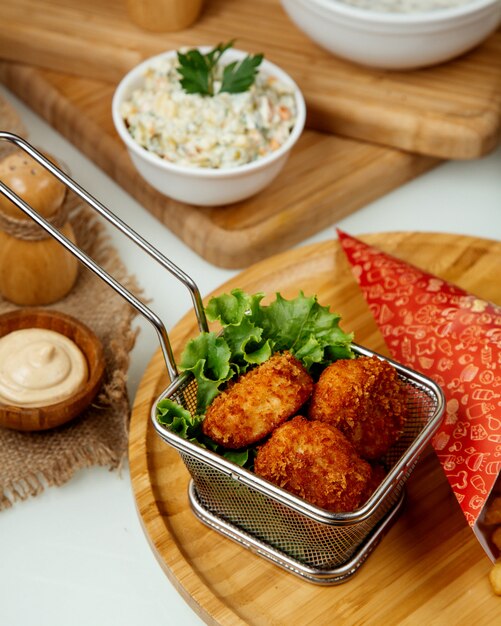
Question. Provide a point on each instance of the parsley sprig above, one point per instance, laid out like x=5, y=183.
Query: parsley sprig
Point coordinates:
x=198, y=71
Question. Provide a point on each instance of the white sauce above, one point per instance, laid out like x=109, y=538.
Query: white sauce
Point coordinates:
x=221, y=131
x=405, y=6
x=39, y=367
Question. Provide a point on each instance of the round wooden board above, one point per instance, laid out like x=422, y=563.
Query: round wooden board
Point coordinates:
x=428, y=569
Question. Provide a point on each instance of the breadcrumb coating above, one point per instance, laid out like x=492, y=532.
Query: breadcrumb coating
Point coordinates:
x=259, y=401
x=365, y=399
x=315, y=461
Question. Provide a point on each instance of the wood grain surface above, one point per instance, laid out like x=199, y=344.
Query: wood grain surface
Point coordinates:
x=325, y=179
x=449, y=111
x=429, y=569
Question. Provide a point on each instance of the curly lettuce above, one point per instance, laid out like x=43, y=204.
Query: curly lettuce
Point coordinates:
x=251, y=333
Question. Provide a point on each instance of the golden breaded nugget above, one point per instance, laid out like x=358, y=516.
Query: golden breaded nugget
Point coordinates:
x=495, y=578
x=259, y=401
x=316, y=462
x=365, y=399
x=493, y=512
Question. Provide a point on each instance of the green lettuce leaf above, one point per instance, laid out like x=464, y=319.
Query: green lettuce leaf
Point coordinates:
x=230, y=309
x=208, y=358
x=247, y=345
x=178, y=419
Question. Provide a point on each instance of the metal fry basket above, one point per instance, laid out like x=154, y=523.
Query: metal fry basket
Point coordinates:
x=315, y=544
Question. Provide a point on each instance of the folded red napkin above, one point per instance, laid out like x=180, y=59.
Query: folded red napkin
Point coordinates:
x=453, y=337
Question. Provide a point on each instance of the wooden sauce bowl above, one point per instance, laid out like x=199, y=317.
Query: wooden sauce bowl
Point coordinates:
x=45, y=417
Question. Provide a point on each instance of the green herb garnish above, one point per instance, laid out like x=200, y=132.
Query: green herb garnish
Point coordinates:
x=198, y=71
x=252, y=332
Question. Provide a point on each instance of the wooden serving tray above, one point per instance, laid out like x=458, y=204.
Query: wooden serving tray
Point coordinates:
x=325, y=179
x=450, y=111
x=429, y=569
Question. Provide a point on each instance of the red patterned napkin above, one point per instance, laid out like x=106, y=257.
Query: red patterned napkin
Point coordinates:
x=454, y=337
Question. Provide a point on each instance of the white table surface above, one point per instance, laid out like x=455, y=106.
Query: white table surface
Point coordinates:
x=76, y=554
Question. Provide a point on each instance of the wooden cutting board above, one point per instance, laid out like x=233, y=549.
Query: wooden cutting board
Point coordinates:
x=451, y=111
x=429, y=569
x=325, y=179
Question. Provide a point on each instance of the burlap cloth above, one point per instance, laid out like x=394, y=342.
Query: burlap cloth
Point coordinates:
x=29, y=462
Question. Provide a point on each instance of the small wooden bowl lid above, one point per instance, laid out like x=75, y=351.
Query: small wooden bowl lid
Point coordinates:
x=43, y=418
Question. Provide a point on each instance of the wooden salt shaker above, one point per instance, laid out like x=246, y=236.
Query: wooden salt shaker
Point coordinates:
x=35, y=269
x=164, y=15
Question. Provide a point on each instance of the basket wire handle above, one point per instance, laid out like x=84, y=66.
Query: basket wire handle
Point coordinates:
x=92, y=265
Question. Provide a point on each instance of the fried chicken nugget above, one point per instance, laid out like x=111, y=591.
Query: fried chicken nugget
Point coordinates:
x=258, y=402
x=495, y=578
x=365, y=399
x=315, y=461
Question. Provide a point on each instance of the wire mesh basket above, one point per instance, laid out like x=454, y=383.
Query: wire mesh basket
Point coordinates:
x=317, y=545
x=313, y=543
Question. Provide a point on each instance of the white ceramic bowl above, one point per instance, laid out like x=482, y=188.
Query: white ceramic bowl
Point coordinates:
x=198, y=185
x=396, y=41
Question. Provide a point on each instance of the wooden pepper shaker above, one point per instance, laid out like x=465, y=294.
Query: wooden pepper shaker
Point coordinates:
x=164, y=15
x=35, y=269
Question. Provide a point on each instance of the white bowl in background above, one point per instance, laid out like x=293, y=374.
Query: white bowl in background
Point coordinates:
x=396, y=41
x=199, y=185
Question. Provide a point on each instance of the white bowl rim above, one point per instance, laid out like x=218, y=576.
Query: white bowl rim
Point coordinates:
x=207, y=172
x=383, y=17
